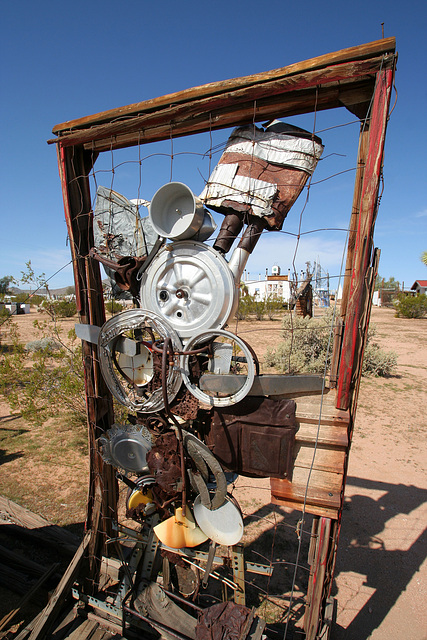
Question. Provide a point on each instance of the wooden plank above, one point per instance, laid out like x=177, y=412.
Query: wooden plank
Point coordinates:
x=354, y=218
x=327, y=435
x=68, y=622
x=61, y=592
x=328, y=497
x=74, y=167
x=19, y=582
x=331, y=482
x=84, y=631
x=371, y=277
x=336, y=350
x=324, y=419
x=314, y=402
x=269, y=108
x=371, y=49
x=108, y=625
x=323, y=459
x=202, y=114
x=7, y=619
x=316, y=510
x=25, y=632
x=15, y=518
x=21, y=563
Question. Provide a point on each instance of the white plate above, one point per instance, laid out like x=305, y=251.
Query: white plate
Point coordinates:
x=223, y=525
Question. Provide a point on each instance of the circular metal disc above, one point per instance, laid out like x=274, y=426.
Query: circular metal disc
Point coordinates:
x=223, y=525
x=126, y=447
x=224, y=398
x=191, y=286
x=116, y=328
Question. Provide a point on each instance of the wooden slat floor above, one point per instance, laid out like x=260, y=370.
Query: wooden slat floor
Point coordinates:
x=320, y=451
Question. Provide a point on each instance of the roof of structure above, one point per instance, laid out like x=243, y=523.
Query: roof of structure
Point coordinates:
x=421, y=283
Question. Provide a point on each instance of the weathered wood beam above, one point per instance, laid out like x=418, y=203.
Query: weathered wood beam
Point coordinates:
x=353, y=331
x=360, y=52
x=269, y=108
x=74, y=166
x=29, y=594
x=305, y=92
x=19, y=521
x=50, y=612
x=354, y=218
x=21, y=563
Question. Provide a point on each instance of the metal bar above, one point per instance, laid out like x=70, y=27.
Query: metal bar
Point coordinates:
x=263, y=385
x=252, y=567
x=106, y=607
x=238, y=564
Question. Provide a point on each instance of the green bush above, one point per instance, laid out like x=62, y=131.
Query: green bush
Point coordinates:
x=40, y=381
x=273, y=305
x=377, y=362
x=307, y=348
x=44, y=343
x=250, y=306
x=60, y=308
x=410, y=306
x=33, y=300
x=112, y=306
x=304, y=348
x=243, y=310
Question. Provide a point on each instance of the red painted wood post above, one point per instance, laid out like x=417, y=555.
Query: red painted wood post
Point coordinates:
x=353, y=335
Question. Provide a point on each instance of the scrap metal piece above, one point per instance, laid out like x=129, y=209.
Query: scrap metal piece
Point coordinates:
x=126, y=447
x=165, y=464
x=88, y=332
x=133, y=391
x=154, y=604
x=191, y=286
x=221, y=397
x=263, y=385
x=228, y=620
x=255, y=437
x=263, y=171
x=205, y=461
x=125, y=270
x=119, y=231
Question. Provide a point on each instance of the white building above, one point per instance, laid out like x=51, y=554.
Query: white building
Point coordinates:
x=275, y=285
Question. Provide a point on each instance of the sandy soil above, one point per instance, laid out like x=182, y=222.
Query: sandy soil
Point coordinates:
x=381, y=572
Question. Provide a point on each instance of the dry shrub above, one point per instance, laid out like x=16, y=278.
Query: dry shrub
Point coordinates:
x=307, y=348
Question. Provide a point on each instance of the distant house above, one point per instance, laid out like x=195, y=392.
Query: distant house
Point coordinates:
x=275, y=285
x=419, y=286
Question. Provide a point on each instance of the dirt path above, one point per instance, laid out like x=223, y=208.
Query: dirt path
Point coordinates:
x=381, y=572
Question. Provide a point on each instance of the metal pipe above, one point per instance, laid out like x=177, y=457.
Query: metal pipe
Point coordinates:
x=250, y=237
x=237, y=263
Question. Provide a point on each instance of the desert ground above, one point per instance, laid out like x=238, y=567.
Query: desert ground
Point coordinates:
x=381, y=572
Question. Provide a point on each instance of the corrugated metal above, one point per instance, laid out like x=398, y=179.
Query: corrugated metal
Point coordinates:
x=224, y=183
x=278, y=148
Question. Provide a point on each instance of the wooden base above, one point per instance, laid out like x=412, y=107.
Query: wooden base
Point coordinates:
x=320, y=451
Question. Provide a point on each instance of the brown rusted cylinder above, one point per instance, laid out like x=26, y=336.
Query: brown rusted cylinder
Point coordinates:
x=252, y=234
x=230, y=229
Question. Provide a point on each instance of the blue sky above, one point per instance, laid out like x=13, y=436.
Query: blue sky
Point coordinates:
x=61, y=61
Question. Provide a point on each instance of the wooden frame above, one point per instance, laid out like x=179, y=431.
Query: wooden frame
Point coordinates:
x=359, y=79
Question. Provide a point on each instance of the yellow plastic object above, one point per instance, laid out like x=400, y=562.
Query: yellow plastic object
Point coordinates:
x=137, y=497
x=180, y=531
